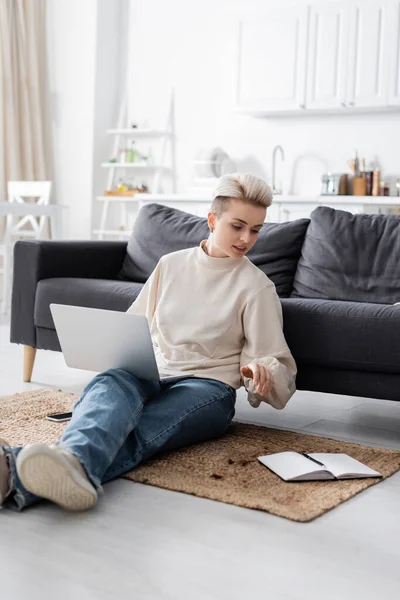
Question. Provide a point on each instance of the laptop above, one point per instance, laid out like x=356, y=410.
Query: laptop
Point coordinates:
x=97, y=340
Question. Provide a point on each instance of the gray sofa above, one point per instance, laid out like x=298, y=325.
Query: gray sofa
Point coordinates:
x=337, y=276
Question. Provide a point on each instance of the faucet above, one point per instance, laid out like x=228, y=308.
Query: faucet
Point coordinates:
x=274, y=189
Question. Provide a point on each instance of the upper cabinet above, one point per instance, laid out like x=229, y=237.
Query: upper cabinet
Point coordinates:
x=394, y=54
x=271, y=60
x=327, y=56
x=367, y=82
x=338, y=56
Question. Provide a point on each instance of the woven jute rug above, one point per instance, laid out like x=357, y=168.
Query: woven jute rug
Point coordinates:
x=225, y=469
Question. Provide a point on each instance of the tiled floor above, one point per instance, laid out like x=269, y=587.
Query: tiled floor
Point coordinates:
x=148, y=543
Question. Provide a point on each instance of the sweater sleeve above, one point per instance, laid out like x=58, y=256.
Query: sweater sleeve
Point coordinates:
x=265, y=344
x=146, y=302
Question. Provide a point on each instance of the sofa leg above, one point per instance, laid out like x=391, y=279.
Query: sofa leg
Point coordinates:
x=29, y=359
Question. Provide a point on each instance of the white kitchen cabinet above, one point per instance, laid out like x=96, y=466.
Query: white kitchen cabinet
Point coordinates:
x=286, y=208
x=394, y=52
x=272, y=51
x=327, y=56
x=292, y=211
x=368, y=75
x=338, y=57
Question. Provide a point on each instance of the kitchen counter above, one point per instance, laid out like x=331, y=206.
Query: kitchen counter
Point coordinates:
x=278, y=199
x=284, y=207
x=325, y=199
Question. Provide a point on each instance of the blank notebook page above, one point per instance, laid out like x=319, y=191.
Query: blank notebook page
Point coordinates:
x=342, y=464
x=290, y=464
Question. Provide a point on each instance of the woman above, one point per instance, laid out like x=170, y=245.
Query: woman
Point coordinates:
x=212, y=314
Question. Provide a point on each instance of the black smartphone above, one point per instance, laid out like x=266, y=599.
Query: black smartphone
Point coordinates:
x=59, y=417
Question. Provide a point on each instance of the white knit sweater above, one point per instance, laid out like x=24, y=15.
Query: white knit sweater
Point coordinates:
x=211, y=316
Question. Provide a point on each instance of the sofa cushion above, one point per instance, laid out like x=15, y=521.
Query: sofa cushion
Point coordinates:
x=343, y=335
x=93, y=293
x=350, y=257
x=161, y=229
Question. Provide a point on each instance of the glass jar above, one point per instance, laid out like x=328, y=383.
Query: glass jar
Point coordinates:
x=384, y=188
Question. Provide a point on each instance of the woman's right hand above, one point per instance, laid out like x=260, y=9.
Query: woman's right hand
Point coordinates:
x=261, y=376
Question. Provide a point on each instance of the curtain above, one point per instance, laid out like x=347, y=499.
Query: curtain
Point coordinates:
x=25, y=123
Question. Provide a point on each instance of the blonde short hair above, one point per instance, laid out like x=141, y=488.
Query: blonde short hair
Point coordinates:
x=240, y=186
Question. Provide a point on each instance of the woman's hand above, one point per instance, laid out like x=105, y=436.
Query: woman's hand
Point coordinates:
x=261, y=377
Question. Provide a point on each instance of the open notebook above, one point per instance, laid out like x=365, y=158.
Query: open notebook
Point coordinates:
x=292, y=466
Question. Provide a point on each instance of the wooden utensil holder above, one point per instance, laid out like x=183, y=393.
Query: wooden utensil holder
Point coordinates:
x=359, y=186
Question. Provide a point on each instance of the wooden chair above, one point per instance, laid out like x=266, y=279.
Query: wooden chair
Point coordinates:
x=18, y=228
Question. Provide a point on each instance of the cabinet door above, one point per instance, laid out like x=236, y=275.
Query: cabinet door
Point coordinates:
x=368, y=54
x=295, y=210
x=394, y=51
x=272, y=51
x=328, y=55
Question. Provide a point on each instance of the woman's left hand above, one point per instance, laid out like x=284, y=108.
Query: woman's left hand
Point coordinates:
x=261, y=377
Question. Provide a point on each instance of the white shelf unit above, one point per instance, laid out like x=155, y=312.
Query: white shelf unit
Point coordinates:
x=153, y=172
x=143, y=167
x=140, y=133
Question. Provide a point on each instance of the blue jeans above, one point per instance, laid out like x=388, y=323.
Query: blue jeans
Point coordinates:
x=120, y=421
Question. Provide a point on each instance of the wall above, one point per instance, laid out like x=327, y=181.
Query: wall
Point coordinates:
x=71, y=38
x=87, y=56
x=191, y=45
x=110, y=87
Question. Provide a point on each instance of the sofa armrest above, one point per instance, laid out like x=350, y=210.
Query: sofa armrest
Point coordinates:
x=42, y=259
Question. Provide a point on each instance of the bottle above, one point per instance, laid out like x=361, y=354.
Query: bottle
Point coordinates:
x=150, y=157
x=376, y=180
x=132, y=153
x=144, y=153
x=369, y=176
x=384, y=188
x=122, y=155
x=324, y=184
x=357, y=172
